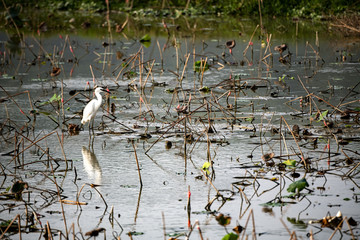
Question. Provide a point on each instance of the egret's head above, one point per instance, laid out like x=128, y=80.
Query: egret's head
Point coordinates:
x=101, y=89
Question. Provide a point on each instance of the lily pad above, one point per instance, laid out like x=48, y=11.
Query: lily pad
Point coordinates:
x=298, y=222
x=230, y=236
x=299, y=185
x=290, y=162
x=54, y=98
x=146, y=40
x=204, y=89
x=201, y=66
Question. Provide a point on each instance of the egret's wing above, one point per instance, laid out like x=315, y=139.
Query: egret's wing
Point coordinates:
x=89, y=111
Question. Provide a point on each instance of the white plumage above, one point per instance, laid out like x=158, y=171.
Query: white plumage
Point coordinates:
x=92, y=107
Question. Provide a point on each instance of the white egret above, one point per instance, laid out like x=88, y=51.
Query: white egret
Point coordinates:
x=92, y=107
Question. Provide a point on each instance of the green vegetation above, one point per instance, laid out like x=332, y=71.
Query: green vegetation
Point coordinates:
x=290, y=8
x=86, y=17
x=298, y=186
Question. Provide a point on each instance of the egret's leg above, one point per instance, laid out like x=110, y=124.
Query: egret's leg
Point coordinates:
x=92, y=126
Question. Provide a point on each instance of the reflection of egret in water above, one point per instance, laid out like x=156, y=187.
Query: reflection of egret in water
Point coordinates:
x=91, y=165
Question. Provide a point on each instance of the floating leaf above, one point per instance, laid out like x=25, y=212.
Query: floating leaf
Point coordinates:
x=44, y=112
x=263, y=44
x=134, y=233
x=55, y=98
x=95, y=232
x=298, y=222
x=173, y=238
x=146, y=44
x=290, y=162
x=295, y=175
x=44, y=103
x=223, y=220
x=249, y=119
x=206, y=165
x=146, y=40
x=274, y=204
x=267, y=157
x=237, y=77
x=19, y=186
x=201, y=66
x=282, y=78
x=6, y=224
x=200, y=212
x=299, y=185
x=170, y=90
x=230, y=236
x=204, y=89
x=323, y=115
x=130, y=74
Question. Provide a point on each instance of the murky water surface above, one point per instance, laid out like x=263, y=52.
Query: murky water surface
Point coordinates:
x=252, y=97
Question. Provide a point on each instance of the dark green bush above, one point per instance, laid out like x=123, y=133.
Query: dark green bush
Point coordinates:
x=297, y=8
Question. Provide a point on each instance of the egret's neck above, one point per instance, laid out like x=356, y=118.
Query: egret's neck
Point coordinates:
x=98, y=96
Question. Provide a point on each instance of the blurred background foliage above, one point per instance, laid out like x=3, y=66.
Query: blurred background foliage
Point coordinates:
x=289, y=8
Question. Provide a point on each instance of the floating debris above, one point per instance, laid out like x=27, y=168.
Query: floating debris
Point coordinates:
x=230, y=45
x=55, y=71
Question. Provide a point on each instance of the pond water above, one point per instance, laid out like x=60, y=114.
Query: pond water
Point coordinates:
x=252, y=98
